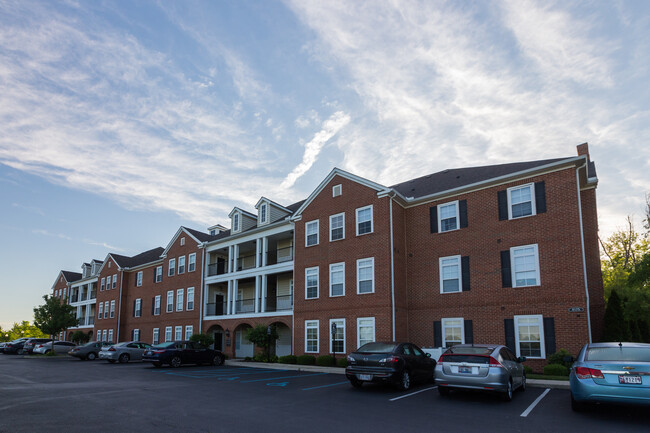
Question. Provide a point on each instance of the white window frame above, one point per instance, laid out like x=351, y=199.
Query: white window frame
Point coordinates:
x=112, y=315
x=156, y=305
x=307, y=270
x=312, y=324
x=101, y=310
x=342, y=215
x=460, y=273
x=533, y=207
x=159, y=274
x=189, y=329
x=542, y=346
x=108, y=282
x=338, y=328
x=168, y=333
x=183, y=241
x=155, y=337
x=191, y=262
x=190, y=298
x=359, y=319
x=445, y=323
x=359, y=261
x=104, y=335
x=106, y=303
x=171, y=270
x=114, y=281
x=138, y=308
x=439, y=212
x=513, y=267
x=181, y=265
x=138, y=279
x=178, y=332
x=337, y=190
x=101, y=288
x=264, y=213
x=136, y=334
x=307, y=224
x=179, y=299
x=169, y=308
x=110, y=335
x=342, y=264
x=235, y=223
x=372, y=223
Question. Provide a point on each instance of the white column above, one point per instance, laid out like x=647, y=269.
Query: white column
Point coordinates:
x=258, y=259
x=257, y=293
x=265, y=250
x=230, y=259
x=235, y=252
x=229, y=298
x=264, y=281
x=235, y=286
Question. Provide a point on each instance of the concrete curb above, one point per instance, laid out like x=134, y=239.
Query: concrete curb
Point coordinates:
x=535, y=383
x=47, y=357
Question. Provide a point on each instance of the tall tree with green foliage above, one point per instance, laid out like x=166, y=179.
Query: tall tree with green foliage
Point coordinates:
x=54, y=316
x=260, y=337
x=616, y=328
x=24, y=329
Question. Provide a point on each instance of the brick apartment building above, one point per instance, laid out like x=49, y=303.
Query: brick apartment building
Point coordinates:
x=502, y=254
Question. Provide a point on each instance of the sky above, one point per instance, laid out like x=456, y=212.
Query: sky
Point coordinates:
x=122, y=120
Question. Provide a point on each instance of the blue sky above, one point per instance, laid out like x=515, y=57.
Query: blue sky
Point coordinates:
x=121, y=121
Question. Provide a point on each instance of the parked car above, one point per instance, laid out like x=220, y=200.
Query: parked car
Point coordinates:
x=485, y=367
x=15, y=346
x=611, y=373
x=88, y=351
x=59, y=347
x=29, y=345
x=177, y=353
x=400, y=364
x=124, y=352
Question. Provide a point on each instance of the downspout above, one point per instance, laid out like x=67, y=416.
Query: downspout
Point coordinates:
x=119, y=308
x=584, y=260
x=392, y=268
x=202, y=288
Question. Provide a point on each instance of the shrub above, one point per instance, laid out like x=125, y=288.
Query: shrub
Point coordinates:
x=204, y=339
x=261, y=357
x=306, y=360
x=556, y=370
x=51, y=353
x=528, y=370
x=288, y=359
x=325, y=361
x=248, y=358
x=559, y=358
x=80, y=337
x=342, y=362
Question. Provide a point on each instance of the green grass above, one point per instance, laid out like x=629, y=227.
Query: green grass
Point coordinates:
x=544, y=377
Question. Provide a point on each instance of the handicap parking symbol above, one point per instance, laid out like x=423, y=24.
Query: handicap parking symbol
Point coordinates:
x=277, y=384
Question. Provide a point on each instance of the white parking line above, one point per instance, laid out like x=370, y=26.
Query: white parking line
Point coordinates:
x=533, y=404
x=413, y=393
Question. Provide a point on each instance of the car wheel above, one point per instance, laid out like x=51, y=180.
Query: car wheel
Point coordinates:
x=217, y=360
x=47, y=351
x=20, y=352
x=523, y=383
x=507, y=396
x=175, y=362
x=112, y=361
x=443, y=390
x=405, y=380
x=157, y=364
x=577, y=406
x=124, y=358
x=91, y=356
x=356, y=383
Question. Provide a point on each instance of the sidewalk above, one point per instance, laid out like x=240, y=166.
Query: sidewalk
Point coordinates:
x=536, y=383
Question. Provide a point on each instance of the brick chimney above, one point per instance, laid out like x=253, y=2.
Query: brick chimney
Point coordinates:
x=583, y=149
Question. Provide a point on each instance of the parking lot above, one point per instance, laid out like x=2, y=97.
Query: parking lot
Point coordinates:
x=43, y=395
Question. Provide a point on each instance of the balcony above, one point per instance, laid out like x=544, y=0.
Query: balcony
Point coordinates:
x=84, y=296
x=218, y=268
x=75, y=298
x=247, y=306
x=246, y=262
x=280, y=255
x=93, y=295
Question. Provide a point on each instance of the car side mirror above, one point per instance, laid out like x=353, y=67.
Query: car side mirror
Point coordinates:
x=521, y=359
x=428, y=355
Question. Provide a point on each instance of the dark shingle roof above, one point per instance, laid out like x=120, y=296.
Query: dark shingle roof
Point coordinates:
x=294, y=207
x=459, y=177
x=71, y=277
x=140, y=259
x=203, y=237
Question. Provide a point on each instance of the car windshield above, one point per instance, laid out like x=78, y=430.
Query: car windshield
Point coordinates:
x=166, y=345
x=472, y=350
x=636, y=354
x=377, y=348
x=91, y=344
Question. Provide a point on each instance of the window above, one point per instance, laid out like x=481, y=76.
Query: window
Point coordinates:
x=136, y=335
x=311, y=233
x=448, y=217
x=178, y=333
x=104, y=334
x=337, y=190
x=366, y=275
x=263, y=213
x=172, y=267
x=106, y=310
x=337, y=342
x=108, y=283
x=138, y=279
x=137, y=311
x=181, y=265
x=521, y=201
x=453, y=331
x=365, y=330
x=450, y=276
x=337, y=229
x=159, y=274
x=170, y=301
x=337, y=279
x=525, y=266
x=101, y=310
x=311, y=336
x=529, y=336
x=364, y=220
x=179, y=300
x=101, y=288
x=235, y=222
x=114, y=280
x=168, y=333
x=191, y=262
x=183, y=241
x=189, y=330
x=156, y=336
x=156, y=306
x=112, y=309
x=190, y=299
x=110, y=335
x=311, y=283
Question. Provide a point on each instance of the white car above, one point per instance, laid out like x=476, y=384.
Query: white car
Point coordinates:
x=59, y=347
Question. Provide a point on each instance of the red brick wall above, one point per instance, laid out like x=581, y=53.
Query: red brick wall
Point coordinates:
x=232, y=324
x=109, y=268
x=592, y=257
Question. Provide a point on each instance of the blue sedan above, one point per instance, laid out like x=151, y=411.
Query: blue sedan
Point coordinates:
x=611, y=373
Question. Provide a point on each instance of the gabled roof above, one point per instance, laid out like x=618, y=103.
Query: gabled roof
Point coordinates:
x=279, y=206
x=71, y=277
x=238, y=209
x=149, y=256
x=199, y=237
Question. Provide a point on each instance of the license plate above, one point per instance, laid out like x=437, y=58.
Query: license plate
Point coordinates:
x=364, y=376
x=467, y=370
x=147, y=353
x=629, y=379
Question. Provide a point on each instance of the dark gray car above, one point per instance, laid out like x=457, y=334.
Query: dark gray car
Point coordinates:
x=89, y=351
x=485, y=367
x=124, y=352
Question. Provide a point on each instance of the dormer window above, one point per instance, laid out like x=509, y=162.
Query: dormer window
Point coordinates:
x=213, y=232
x=235, y=222
x=263, y=213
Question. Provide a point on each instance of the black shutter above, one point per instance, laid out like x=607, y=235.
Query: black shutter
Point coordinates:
x=153, y=305
x=509, y=326
x=433, y=219
x=549, y=335
x=506, y=276
x=503, y=205
x=132, y=334
x=462, y=209
x=469, y=332
x=464, y=262
x=540, y=197
x=133, y=308
x=437, y=334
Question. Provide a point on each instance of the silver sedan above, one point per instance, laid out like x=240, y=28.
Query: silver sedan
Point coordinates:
x=124, y=352
x=60, y=347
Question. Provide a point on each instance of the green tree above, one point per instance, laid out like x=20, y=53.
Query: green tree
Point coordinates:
x=259, y=336
x=24, y=329
x=54, y=316
x=204, y=339
x=80, y=337
x=616, y=328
